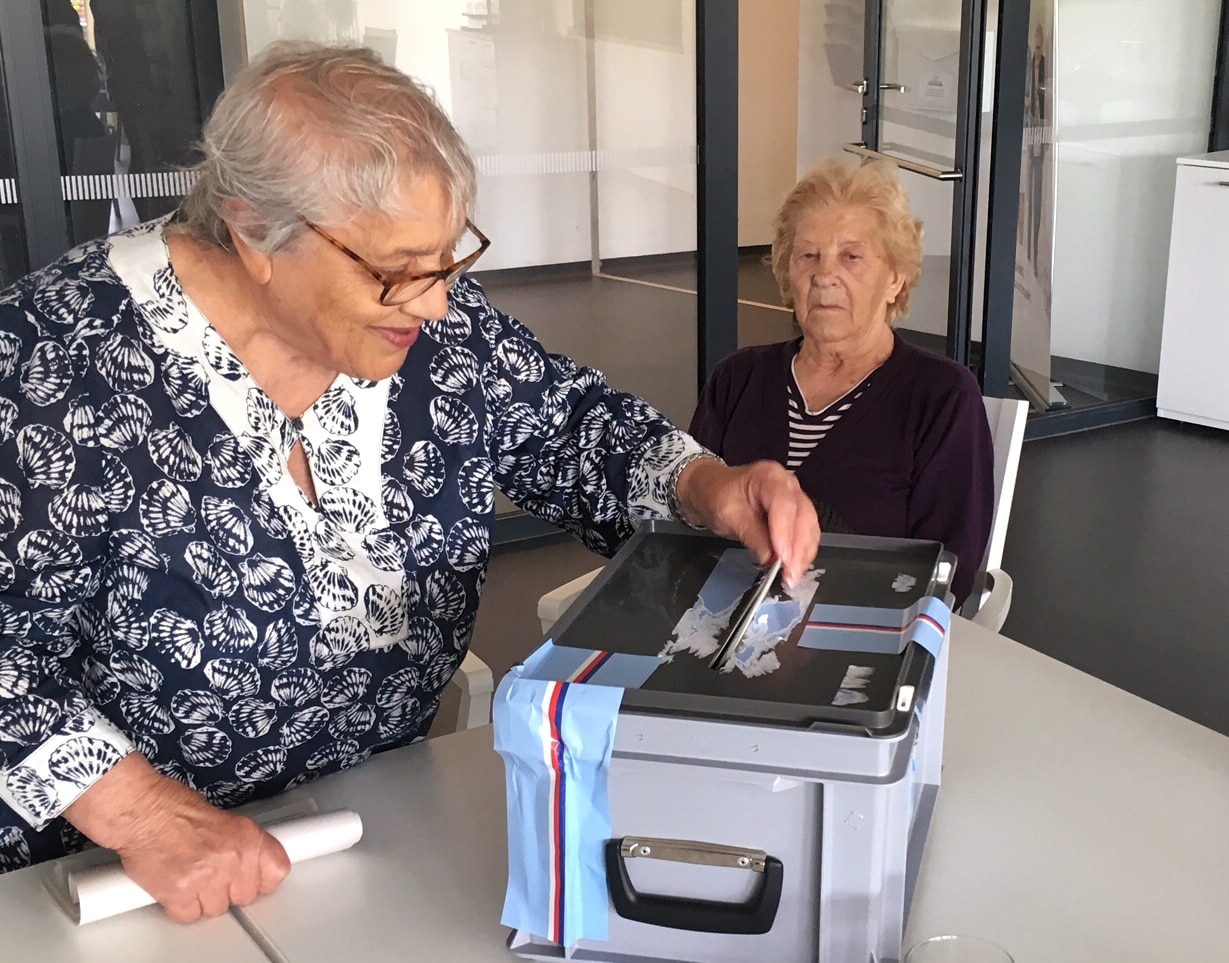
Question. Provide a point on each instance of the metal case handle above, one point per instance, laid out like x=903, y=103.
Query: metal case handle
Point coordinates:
x=752, y=917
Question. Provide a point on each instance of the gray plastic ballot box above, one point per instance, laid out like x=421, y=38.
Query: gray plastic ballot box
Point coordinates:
x=777, y=814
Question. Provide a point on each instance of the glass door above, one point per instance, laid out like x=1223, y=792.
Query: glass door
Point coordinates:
x=921, y=100
x=103, y=101
x=127, y=111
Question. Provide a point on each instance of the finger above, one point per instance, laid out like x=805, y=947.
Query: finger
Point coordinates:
x=214, y=903
x=274, y=865
x=183, y=911
x=243, y=889
x=794, y=529
x=756, y=537
x=782, y=513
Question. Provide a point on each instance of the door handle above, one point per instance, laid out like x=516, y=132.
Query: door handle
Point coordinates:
x=904, y=163
x=862, y=86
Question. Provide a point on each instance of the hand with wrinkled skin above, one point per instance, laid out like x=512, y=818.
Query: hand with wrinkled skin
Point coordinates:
x=760, y=505
x=194, y=859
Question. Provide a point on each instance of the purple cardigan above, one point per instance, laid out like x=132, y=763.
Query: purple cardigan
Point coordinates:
x=913, y=457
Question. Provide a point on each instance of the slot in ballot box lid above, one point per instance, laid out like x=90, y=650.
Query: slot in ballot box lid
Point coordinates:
x=840, y=650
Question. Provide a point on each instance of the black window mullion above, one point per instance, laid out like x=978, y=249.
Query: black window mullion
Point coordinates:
x=716, y=181
x=27, y=77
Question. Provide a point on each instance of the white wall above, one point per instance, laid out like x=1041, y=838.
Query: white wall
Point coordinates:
x=1133, y=82
x=767, y=113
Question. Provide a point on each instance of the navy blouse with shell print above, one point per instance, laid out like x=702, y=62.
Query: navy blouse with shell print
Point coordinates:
x=166, y=588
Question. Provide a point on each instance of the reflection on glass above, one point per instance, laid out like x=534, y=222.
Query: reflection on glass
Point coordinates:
x=13, y=262
x=580, y=113
x=921, y=70
x=126, y=105
x=920, y=52
x=1132, y=92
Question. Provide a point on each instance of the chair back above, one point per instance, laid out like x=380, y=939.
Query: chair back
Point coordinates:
x=1006, y=417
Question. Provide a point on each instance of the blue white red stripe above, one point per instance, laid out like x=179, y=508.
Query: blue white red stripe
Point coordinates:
x=552, y=707
x=881, y=629
x=590, y=667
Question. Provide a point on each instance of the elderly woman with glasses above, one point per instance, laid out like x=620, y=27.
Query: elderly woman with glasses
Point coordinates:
x=247, y=479
x=887, y=438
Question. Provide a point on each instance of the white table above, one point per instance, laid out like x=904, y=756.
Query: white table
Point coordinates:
x=426, y=881
x=34, y=928
x=1076, y=823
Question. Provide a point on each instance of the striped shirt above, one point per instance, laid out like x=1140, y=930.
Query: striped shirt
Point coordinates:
x=808, y=428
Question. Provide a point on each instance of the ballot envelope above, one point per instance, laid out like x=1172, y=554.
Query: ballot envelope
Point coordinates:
x=776, y=754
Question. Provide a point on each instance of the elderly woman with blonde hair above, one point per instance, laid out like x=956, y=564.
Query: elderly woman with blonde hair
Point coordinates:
x=886, y=438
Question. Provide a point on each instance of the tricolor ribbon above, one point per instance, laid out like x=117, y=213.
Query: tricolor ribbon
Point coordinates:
x=924, y=623
x=555, y=736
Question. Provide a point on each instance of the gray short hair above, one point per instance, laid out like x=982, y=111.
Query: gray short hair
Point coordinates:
x=320, y=132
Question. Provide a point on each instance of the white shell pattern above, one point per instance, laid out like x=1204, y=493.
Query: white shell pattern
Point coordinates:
x=176, y=638
x=46, y=548
x=19, y=671
x=227, y=524
x=186, y=383
x=82, y=760
x=454, y=370
x=122, y=421
x=229, y=464
x=229, y=630
x=31, y=790
x=136, y=547
x=424, y=468
x=252, y=718
x=166, y=509
x=45, y=456
x=146, y=713
x=172, y=450
x=28, y=719
x=197, y=707
x=213, y=572
x=346, y=687
x=268, y=583
x=48, y=374
x=80, y=511
x=135, y=671
x=124, y=365
x=453, y=421
x=476, y=483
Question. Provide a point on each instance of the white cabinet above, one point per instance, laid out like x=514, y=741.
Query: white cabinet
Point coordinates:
x=1195, y=334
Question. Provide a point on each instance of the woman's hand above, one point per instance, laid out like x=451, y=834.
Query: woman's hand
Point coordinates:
x=760, y=504
x=192, y=858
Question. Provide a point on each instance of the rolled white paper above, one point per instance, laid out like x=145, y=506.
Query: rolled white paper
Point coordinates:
x=105, y=891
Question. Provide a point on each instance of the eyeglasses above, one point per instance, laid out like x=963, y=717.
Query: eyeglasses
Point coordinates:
x=400, y=288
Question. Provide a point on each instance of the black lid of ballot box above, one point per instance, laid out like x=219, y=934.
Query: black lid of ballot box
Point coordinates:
x=636, y=603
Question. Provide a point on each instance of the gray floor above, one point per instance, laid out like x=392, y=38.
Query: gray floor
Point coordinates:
x=1117, y=538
